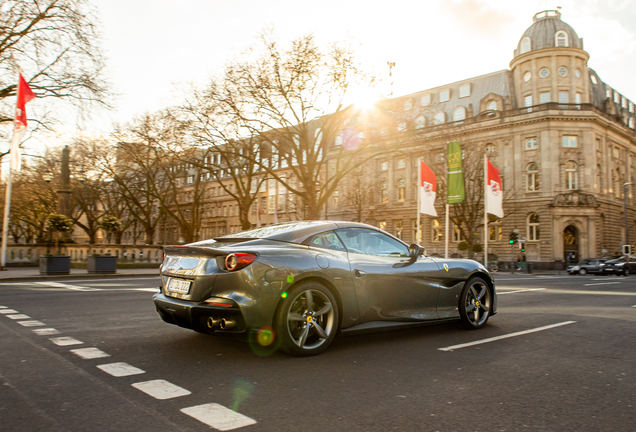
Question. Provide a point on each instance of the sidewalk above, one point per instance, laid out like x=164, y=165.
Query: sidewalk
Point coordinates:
x=33, y=273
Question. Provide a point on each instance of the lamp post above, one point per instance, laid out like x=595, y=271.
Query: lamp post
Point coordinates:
x=625, y=211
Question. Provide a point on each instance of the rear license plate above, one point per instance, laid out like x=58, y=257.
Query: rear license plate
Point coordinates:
x=179, y=285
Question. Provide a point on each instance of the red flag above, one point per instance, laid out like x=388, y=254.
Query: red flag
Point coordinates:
x=427, y=190
x=494, y=191
x=25, y=94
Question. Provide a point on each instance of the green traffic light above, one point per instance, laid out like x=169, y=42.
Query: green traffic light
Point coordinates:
x=511, y=241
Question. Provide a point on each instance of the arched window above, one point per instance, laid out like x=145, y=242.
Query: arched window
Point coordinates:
x=492, y=106
x=439, y=118
x=384, y=192
x=561, y=39
x=570, y=176
x=420, y=123
x=533, y=227
x=459, y=114
x=532, y=177
x=401, y=185
x=526, y=45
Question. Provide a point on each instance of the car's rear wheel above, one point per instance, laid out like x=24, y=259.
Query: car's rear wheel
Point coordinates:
x=582, y=272
x=475, y=303
x=307, y=319
x=626, y=272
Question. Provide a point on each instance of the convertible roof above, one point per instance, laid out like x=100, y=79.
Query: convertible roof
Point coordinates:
x=292, y=232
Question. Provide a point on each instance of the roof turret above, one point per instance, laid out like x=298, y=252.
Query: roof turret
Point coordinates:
x=548, y=31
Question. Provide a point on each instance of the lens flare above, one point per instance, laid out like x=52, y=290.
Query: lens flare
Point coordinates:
x=263, y=341
x=290, y=279
x=265, y=336
x=284, y=294
x=241, y=392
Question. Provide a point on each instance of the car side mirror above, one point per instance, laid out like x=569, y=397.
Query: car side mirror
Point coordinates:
x=415, y=250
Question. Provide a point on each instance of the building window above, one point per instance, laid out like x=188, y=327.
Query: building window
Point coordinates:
x=384, y=192
x=399, y=228
x=492, y=106
x=382, y=225
x=624, y=103
x=444, y=96
x=384, y=166
x=532, y=177
x=437, y=234
x=569, y=141
x=533, y=227
x=426, y=100
x=599, y=178
x=617, y=97
x=401, y=163
x=593, y=79
x=527, y=76
x=544, y=97
x=464, y=91
x=543, y=73
x=570, y=176
x=578, y=98
x=526, y=45
x=608, y=92
x=190, y=179
x=561, y=39
x=528, y=102
x=408, y=105
x=491, y=148
x=459, y=114
x=495, y=231
x=401, y=185
x=338, y=140
x=563, y=97
x=563, y=71
x=630, y=122
x=577, y=73
x=336, y=198
x=532, y=143
x=631, y=107
x=420, y=123
x=458, y=236
x=401, y=127
x=439, y=118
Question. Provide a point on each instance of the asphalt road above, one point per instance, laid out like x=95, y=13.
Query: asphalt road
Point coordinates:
x=574, y=372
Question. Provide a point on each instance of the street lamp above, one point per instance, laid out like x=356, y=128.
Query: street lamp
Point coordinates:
x=625, y=211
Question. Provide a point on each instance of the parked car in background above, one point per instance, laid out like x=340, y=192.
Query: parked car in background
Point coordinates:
x=620, y=266
x=592, y=265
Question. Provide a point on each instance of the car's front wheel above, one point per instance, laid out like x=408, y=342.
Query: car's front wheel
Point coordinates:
x=582, y=272
x=475, y=303
x=307, y=319
x=626, y=272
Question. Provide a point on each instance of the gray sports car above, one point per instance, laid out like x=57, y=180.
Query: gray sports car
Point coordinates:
x=296, y=285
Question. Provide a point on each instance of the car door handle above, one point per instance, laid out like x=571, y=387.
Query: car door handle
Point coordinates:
x=359, y=273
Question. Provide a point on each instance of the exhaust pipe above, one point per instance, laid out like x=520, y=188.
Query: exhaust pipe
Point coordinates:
x=212, y=323
x=227, y=324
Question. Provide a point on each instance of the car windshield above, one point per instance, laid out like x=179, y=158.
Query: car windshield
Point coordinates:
x=583, y=262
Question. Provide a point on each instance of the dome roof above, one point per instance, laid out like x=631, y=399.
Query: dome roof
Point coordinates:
x=543, y=34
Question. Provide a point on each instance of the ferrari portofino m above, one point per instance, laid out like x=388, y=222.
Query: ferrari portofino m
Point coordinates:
x=296, y=285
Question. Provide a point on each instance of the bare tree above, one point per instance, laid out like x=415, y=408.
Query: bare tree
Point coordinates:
x=55, y=43
x=357, y=194
x=292, y=102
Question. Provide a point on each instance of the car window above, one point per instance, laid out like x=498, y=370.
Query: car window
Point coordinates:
x=370, y=242
x=328, y=240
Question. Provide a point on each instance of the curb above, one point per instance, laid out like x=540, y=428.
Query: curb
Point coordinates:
x=77, y=276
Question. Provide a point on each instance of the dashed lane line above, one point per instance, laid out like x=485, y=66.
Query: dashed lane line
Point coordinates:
x=601, y=283
x=31, y=323
x=89, y=353
x=496, y=338
x=65, y=341
x=8, y=311
x=46, y=332
x=161, y=389
x=518, y=291
x=218, y=416
x=120, y=369
x=18, y=316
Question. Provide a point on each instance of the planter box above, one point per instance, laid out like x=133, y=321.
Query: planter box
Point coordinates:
x=103, y=264
x=55, y=265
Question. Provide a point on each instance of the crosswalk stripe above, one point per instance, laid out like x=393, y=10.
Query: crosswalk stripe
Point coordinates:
x=45, y=331
x=67, y=286
x=65, y=341
x=18, y=316
x=89, y=353
x=161, y=389
x=120, y=369
x=31, y=323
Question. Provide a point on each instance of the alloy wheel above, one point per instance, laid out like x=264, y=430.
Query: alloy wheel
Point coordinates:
x=310, y=319
x=478, y=303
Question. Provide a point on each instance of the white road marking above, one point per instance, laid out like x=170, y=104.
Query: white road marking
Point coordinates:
x=120, y=369
x=116, y=279
x=218, y=416
x=31, y=323
x=602, y=283
x=518, y=291
x=161, y=389
x=3, y=307
x=46, y=331
x=154, y=290
x=8, y=311
x=67, y=286
x=18, y=316
x=65, y=341
x=492, y=339
x=89, y=353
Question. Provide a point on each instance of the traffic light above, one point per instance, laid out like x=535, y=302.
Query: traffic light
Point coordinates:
x=523, y=249
x=512, y=239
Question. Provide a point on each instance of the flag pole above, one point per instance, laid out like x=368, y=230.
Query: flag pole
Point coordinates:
x=446, y=233
x=419, y=194
x=486, y=211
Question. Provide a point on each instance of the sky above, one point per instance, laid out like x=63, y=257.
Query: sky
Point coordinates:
x=156, y=48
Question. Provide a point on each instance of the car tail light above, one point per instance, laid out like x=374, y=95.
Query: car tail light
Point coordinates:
x=237, y=261
x=220, y=302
